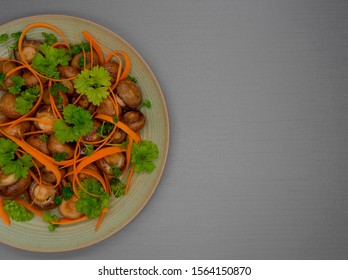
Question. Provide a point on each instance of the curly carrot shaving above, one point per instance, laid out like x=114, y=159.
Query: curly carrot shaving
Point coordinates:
x=121, y=125
x=65, y=221
x=100, y=219
x=98, y=155
x=127, y=65
x=95, y=46
x=3, y=213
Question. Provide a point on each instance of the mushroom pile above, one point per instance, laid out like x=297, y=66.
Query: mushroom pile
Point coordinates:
x=71, y=125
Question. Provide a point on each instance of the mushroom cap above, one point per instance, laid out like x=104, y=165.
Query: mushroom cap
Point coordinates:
x=57, y=147
x=7, y=106
x=134, y=119
x=42, y=197
x=15, y=190
x=129, y=93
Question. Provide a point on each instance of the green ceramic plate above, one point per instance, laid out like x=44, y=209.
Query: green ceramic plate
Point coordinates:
x=34, y=235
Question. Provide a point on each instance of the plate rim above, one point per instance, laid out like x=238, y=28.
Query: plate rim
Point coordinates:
x=166, y=121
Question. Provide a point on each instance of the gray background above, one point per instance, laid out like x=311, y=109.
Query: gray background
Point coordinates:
x=257, y=99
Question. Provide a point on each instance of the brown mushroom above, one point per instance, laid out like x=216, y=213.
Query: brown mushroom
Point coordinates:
x=129, y=94
x=93, y=135
x=7, y=106
x=43, y=197
x=69, y=86
x=119, y=136
x=110, y=162
x=67, y=72
x=29, y=79
x=45, y=114
x=29, y=49
x=8, y=66
x=7, y=179
x=48, y=176
x=112, y=67
x=134, y=119
x=106, y=107
x=85, y=104
x=39, y=143
x=60, y=98
x=57, y=147
x=17, y=130
x=16, y=189
x=68, y=208
x=78, y=60
x=81, y=176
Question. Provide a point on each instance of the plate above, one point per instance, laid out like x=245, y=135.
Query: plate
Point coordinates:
x=34, y=235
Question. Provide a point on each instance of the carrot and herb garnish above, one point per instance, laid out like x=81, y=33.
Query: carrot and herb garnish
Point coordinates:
x=70, y=131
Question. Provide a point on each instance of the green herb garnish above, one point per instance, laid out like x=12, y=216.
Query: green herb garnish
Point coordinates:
x=77, y=123
x=94, y=84
x=16, y=211
x=10, y=163
x=90, y=205
x=143, y=153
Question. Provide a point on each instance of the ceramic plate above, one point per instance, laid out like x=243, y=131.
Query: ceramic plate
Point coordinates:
x=34, y=235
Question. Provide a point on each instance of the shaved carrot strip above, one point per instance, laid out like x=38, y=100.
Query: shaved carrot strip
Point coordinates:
x=121, y=125
x=127, y=65
x=65, y=221
x=4, y=216
x=100, y=219
x=95, y=45
x=129, y=179
x=128, y=153
x=98, y=155
x=14, y=70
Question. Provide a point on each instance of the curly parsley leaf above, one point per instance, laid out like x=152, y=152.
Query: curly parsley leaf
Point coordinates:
x=7, y=151
x=48, y=218
x=2, y=79
x=24, y=102
x=90, y=205
x=78, y=48
x=94, y=84
x=60, y=156
x=88, y=149
x=118, y=187
x=9, y=163
x=104, y=130
x=77, y=123
x=47, y=60
x=145, y=103
x=16, y=35
x=50, y=38
x=133, y=79
x=143, y=153
x=3, y=38
x=16, y=211
x=67, y=193
x=18, y=83
x=19, y=167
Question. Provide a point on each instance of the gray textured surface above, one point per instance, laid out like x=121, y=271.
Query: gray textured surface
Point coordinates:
x=257, y=97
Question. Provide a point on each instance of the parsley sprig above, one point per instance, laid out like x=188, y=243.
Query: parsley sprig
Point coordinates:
x=143, y=153
x=48, y=59
x=94, y=84
x=92, y=205
x=10, y=163
x=16, y=211
x=77, y=123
